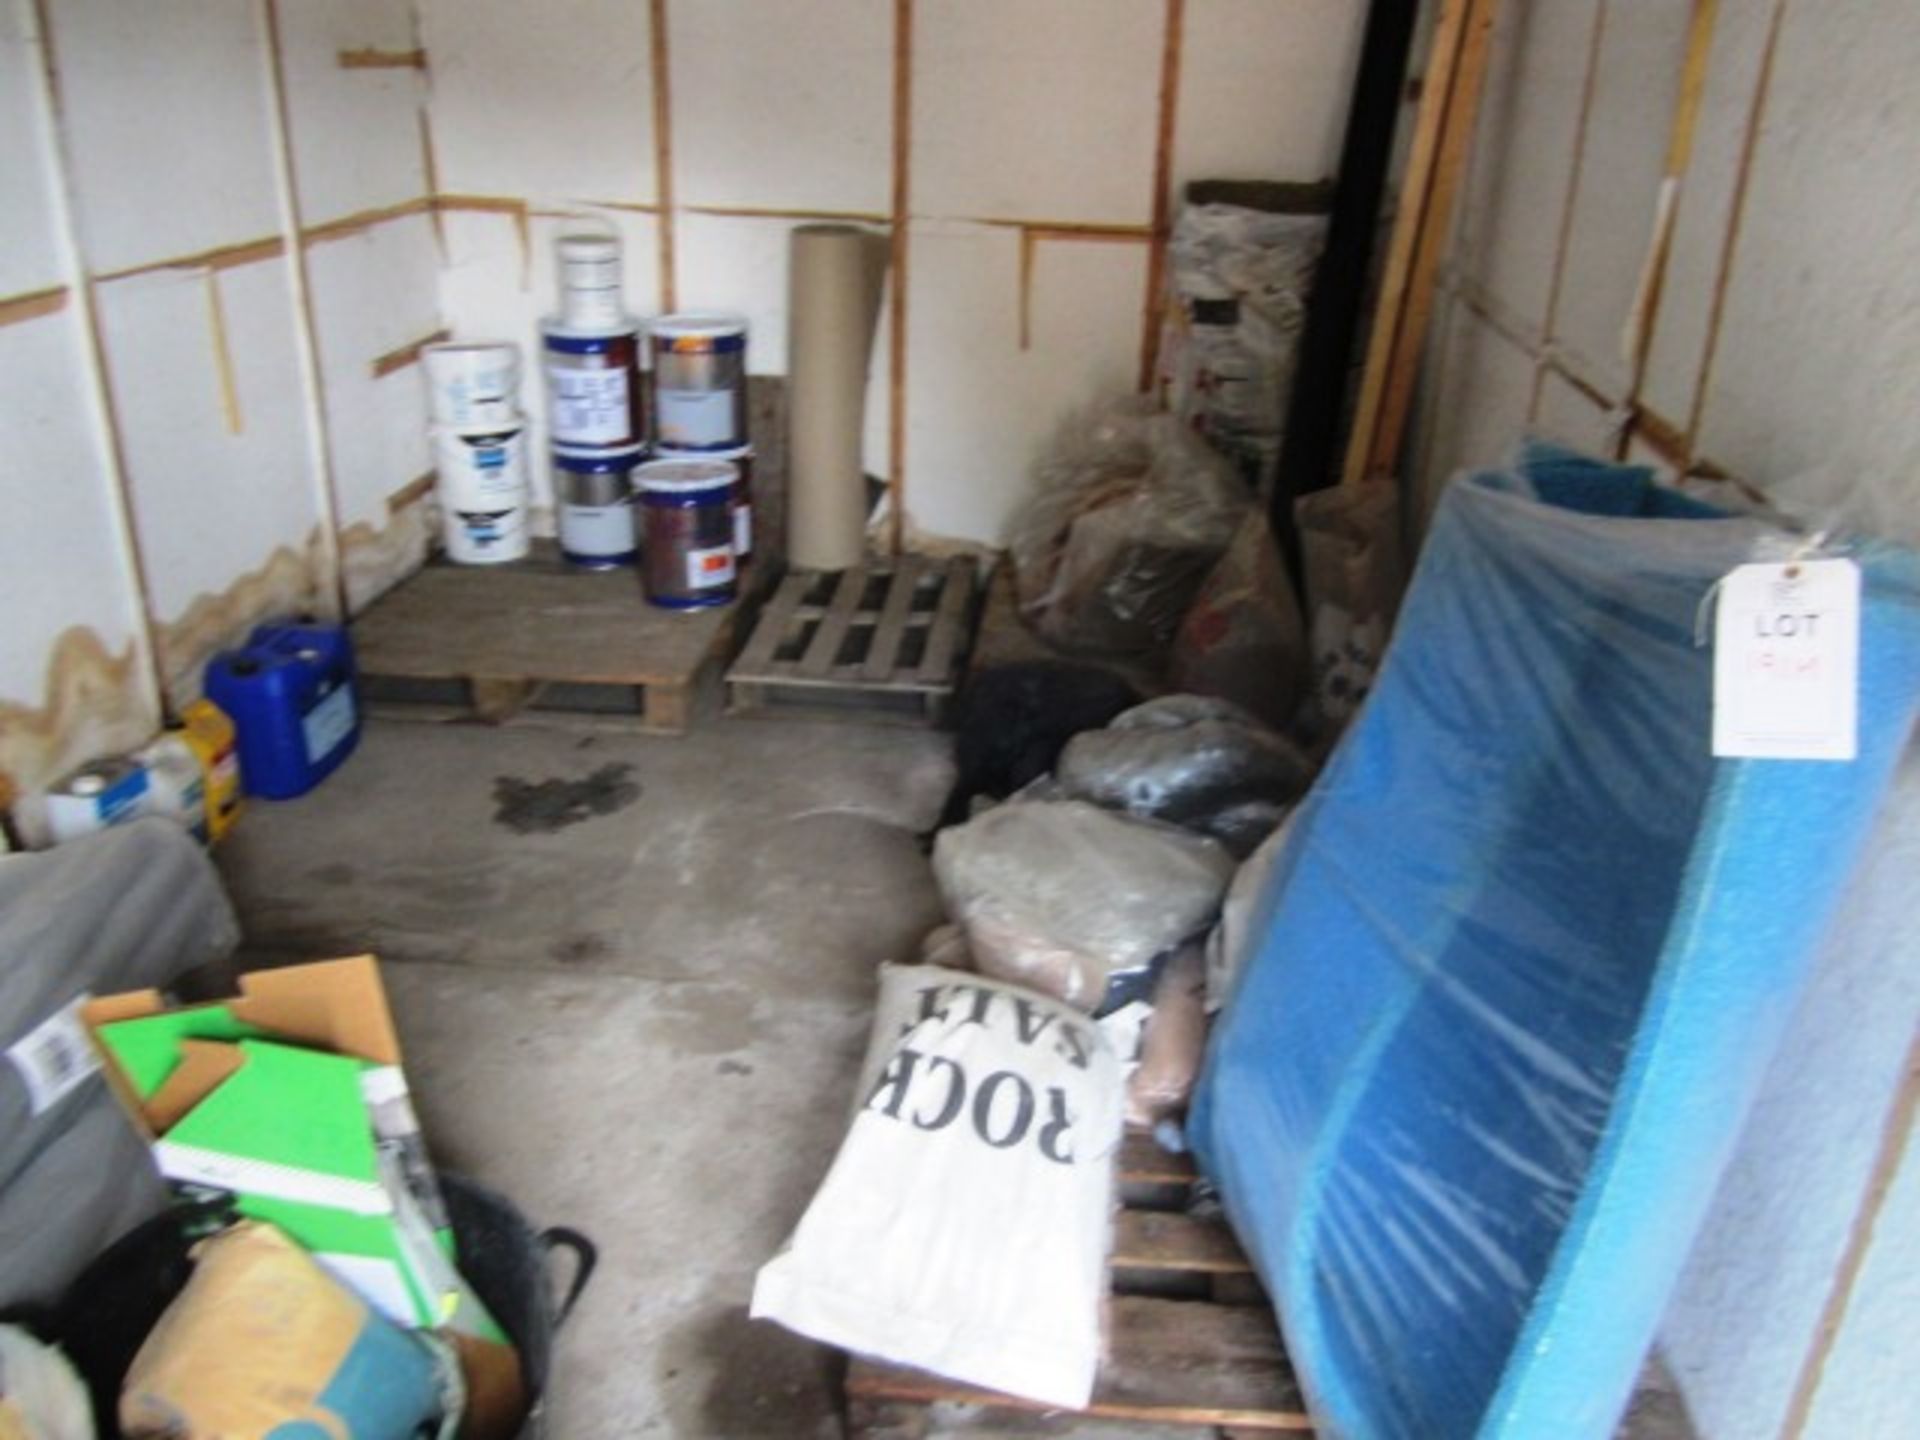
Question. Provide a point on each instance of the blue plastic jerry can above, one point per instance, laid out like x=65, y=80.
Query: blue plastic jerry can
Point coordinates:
x=294, y=703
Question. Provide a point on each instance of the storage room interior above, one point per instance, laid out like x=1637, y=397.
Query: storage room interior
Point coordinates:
x=1529, y=1052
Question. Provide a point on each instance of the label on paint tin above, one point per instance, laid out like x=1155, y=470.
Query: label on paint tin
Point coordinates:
x=588, y=407
x=707, y=569
x=743, y=530
x=327, y=724
x=597, y=531
x=697, y=419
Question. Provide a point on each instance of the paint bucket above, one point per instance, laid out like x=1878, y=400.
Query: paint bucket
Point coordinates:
x=741, y=460
x=481, y=469
x=473, y=385
x=593, y=384
x=590, y=282
x=489, y=532
x=687, y=532
x=593, y=496
x=699, y=382
x=104, y=793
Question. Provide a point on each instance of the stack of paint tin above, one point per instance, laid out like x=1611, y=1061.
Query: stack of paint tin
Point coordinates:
x=697, y=493
x=479, y=450
x=596, y=409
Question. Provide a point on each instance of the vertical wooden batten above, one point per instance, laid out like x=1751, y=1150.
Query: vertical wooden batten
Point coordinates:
x=897, y=260
x=1166, y=125
x=320, y=444
x=663, y=149
x=1449, y=106
x=1563, y=239
x=106, y=416
x=1736, y=215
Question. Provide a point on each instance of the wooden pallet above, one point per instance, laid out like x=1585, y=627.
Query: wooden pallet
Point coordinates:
x=886, y=637
x=1191, y=1340
x=487, y=642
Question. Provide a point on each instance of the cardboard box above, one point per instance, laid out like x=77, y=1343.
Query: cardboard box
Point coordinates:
x=291, y=1096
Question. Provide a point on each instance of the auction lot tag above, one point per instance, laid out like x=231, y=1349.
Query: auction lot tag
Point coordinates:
x=1786, y=661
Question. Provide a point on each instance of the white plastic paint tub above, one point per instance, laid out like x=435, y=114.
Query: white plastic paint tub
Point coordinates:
x=699, y=382
x=488, y=534
x=472, y=384
x=590, y=282
x=480, y=467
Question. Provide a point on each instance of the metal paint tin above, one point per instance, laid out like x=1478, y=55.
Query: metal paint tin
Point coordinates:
x=687, y=530
x=593, y=384
x=594, y=509
x=741, y=460
x=699, y=382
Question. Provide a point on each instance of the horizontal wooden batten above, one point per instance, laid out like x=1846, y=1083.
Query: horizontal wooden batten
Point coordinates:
x=372, y=58
x=33, y=305
x=223, y=257
x=360, y=221
x=411, y=493
x=401, y=356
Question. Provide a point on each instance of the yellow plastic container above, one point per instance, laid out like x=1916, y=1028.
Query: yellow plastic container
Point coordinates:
x=210, y=735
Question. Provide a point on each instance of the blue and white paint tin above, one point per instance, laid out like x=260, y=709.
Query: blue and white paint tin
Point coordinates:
x=594, y=505
x=699, y=382
x=593, y=384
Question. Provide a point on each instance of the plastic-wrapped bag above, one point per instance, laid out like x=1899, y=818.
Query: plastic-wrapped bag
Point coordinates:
x=1243, y=638
x=1240, y=270
x=1233, y=938
x=1176, y=1036
x=1062, y=896
x=963, y=1227
x=1129, y=514
x=1193, y=761
x=1354, y=570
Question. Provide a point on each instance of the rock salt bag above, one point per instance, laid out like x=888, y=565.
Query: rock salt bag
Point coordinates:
x=963, y=1227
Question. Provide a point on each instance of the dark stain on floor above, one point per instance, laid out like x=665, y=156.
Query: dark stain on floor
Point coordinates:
x=540, y=807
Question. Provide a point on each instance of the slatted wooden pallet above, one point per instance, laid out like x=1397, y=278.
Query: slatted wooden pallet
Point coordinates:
x=886, y=638
x=488, y=642
x=1191, y=1340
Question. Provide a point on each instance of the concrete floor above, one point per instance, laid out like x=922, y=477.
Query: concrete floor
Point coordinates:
x=633, y=978
x=644, y=1024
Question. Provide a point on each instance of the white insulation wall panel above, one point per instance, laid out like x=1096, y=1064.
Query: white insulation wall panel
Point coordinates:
x=1036, y=109
x=548, y=102
x=1704, y=205
x=210, y=503
x=1522, y=161
x=979, y=407
x=1485, y=384
x=30, y=256
x=1818, y=366
x=1636, y=80
x=60, y=557
x=354, y=133
x=373, y=294
x=1264, y=87
x=168, y=117
x=772, y=115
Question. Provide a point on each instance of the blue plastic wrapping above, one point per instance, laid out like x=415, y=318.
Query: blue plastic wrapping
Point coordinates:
x=1523, y=958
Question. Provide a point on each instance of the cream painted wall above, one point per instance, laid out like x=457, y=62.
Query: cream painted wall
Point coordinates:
x=1025, y=116
x=1785, y=350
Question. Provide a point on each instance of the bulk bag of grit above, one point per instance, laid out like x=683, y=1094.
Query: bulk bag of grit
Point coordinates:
x=963, y=1227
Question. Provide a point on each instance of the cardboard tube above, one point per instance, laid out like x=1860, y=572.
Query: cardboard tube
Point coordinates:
x=835, y=281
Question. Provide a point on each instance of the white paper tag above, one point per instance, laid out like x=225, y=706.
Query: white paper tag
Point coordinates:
x=1786, y=661
x=54, y=1058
